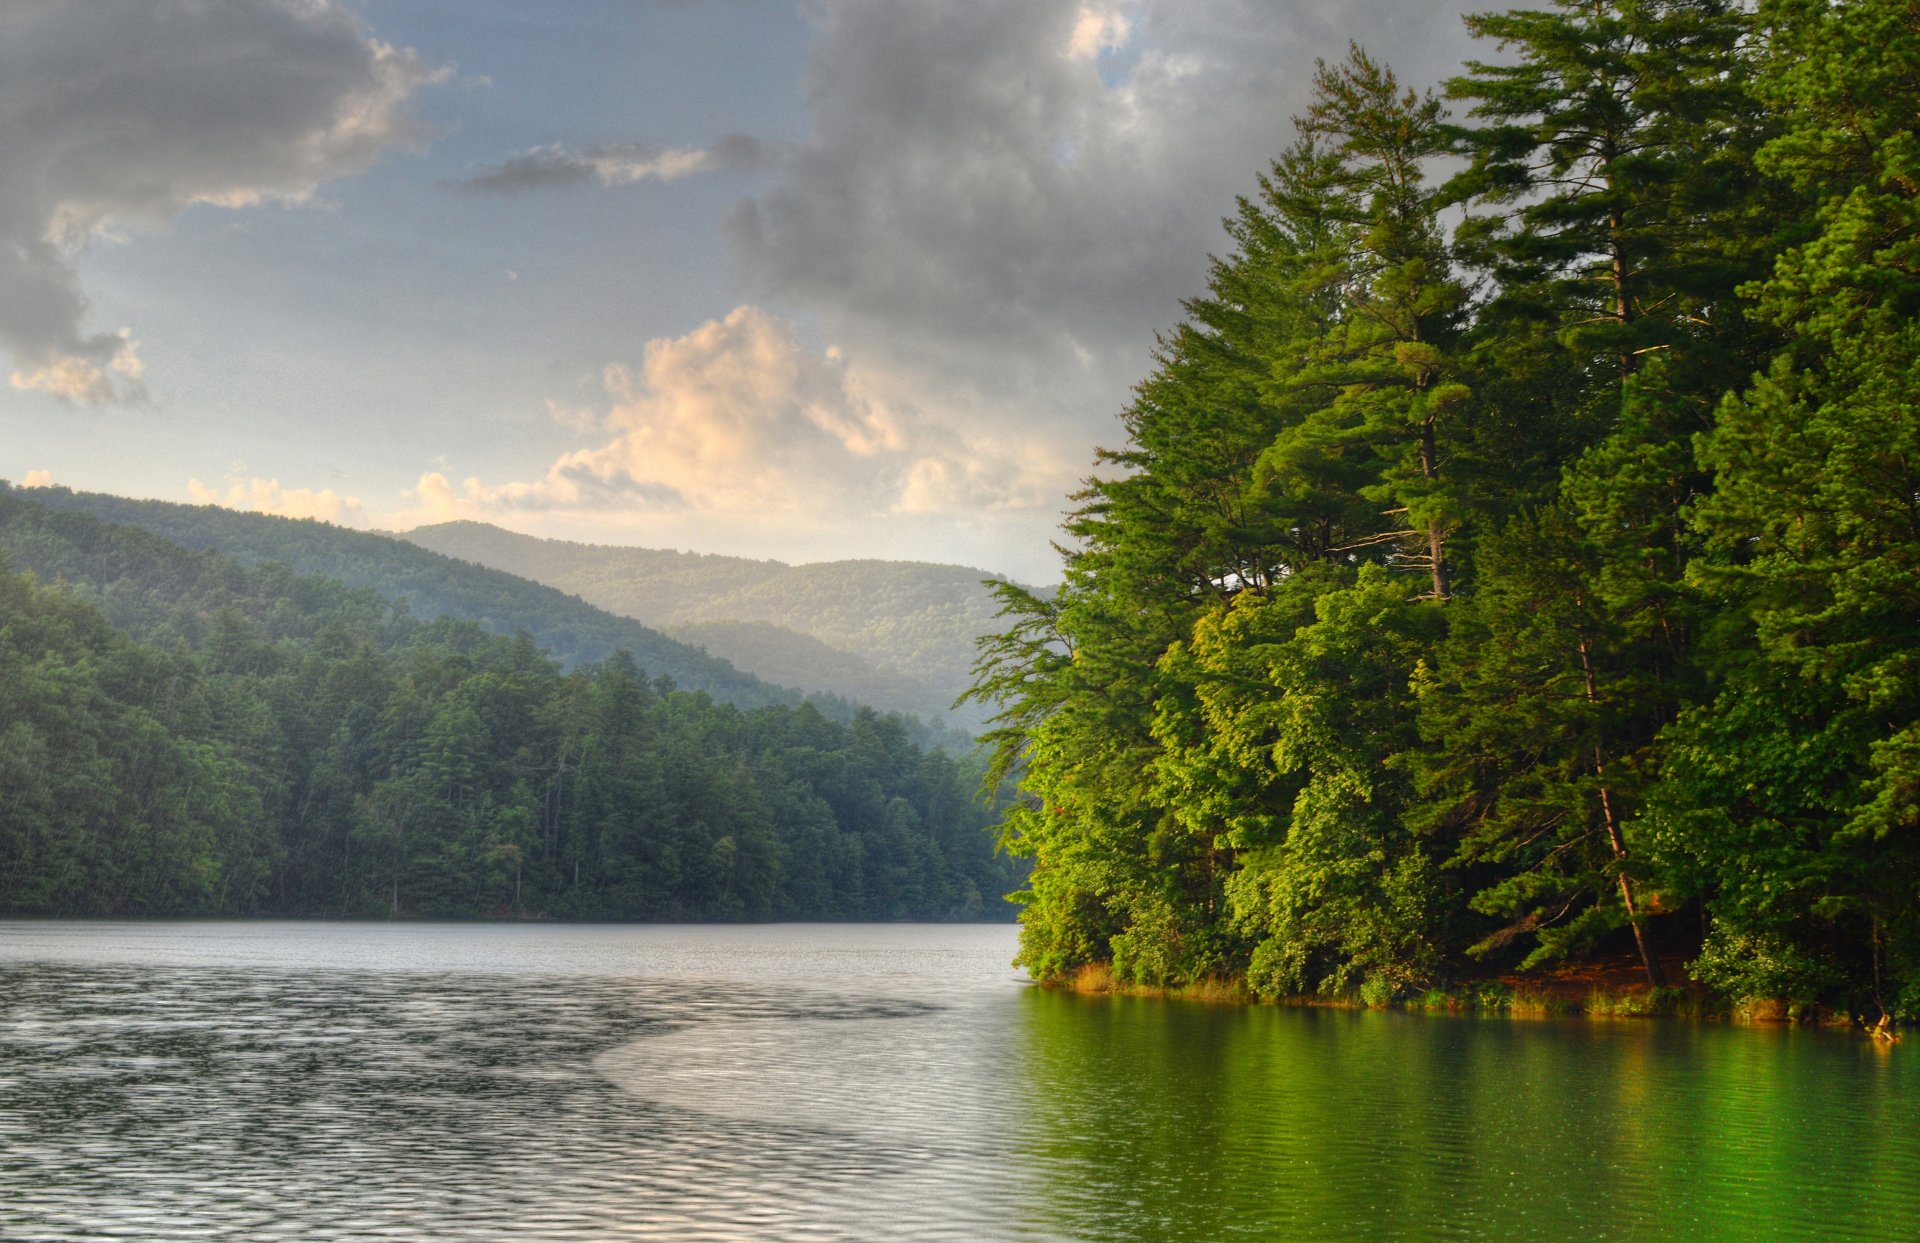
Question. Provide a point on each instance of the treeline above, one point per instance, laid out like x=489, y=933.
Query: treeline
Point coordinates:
x=428, y=583
x=281, y=744
x=1520, y=565
x=904, y=630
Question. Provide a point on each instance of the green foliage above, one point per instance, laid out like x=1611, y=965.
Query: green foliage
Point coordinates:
x=1192, y=815
x=1302, y=697
x=428, y=584
x=896, y=634
x=1750, y=966
x=1807, y=821
x=299, y=747
x=1524, y=568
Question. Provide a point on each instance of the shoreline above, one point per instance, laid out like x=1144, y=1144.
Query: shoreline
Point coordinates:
x=1546, y=997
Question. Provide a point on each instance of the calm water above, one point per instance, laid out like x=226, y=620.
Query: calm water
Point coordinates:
x=312, y=1081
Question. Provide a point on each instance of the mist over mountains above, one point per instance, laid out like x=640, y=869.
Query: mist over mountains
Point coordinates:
x=895, y=634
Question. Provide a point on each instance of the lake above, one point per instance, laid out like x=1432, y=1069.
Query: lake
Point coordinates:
x=357, y=1081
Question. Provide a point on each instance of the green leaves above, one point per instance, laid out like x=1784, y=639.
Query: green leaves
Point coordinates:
x=1660, y=464
x=298, y=752
x=1817, y=471
x=1612, y=152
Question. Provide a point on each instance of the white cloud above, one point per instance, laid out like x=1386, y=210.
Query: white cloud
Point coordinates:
x=1097, y=29
x=437, y=500
x=266, y=496
x=119, y=117
x=737, y=428
x=38, y=479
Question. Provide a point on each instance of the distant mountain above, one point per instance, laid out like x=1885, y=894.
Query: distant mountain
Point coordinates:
x=800, y=660
x=656, y=586
x=165, y=595
x=183, y=733
x=902, y=630
x=430, y=585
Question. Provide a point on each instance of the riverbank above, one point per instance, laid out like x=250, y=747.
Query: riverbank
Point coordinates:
x=1597, y=988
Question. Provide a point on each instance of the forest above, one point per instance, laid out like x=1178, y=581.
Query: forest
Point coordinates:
x=182, y=733
x=895, y=634
x=430, y=584
x=1514, y=555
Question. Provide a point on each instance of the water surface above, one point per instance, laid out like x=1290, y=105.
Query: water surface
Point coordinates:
x=357, y=1081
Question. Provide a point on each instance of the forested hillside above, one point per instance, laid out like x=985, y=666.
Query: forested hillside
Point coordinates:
x=909, y=617
x=904, y=630
x=281, y=744
x=802, y=661
x=658, y=586
x=1504, y=568
x=431, y=585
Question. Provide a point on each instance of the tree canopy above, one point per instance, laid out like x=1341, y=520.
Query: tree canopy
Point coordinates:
x=182, y=733
x=1521, y=565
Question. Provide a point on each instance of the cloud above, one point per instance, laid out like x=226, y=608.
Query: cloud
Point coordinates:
x=38, y=479
x=621, y=164
x=119, y=117
x=437, y=500
x=737, y=422
x=1007, y=198
x=266, y=496
x=1097, y=29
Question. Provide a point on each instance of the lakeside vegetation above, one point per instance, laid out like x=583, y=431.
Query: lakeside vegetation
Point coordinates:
x=1517, y=565
x=182, y=733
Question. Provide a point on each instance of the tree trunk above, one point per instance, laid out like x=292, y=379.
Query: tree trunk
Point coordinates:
x=1622, y=304
x=1654, y=977
x=1436, y=540
x=1614, y=838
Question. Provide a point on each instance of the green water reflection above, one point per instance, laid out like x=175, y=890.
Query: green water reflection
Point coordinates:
x=1159, y=1120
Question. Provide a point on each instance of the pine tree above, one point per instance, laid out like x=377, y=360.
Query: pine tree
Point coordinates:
x=1815, y=520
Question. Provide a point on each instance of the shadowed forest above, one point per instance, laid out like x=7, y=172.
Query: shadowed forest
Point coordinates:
x=189, y=734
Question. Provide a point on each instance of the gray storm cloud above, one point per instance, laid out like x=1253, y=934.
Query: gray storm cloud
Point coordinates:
x=618, y=164
x=120, y=116
x=1010, y=196
x=997, y=204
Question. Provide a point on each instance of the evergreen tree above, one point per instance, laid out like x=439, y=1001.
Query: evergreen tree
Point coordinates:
x=1799, y=808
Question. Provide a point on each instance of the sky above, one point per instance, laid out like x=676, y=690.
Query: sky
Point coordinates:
x=844, y=278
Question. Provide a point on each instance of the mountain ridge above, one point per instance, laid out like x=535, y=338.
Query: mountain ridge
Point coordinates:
x=911, y=626
x=432, y=584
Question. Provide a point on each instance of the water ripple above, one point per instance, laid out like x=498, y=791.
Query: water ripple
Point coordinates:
x=317, y=1082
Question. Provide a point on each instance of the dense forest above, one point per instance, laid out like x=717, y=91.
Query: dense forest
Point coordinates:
x=1515, y=554
x=184, y=733
x=430, y=584
x=902, y=633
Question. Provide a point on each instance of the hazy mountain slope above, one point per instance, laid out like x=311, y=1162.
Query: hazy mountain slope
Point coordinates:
x=189, y=734
x=911, y=617
x=654, y=585
x=431, y=585
x=800, y=660
x=908, y=624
